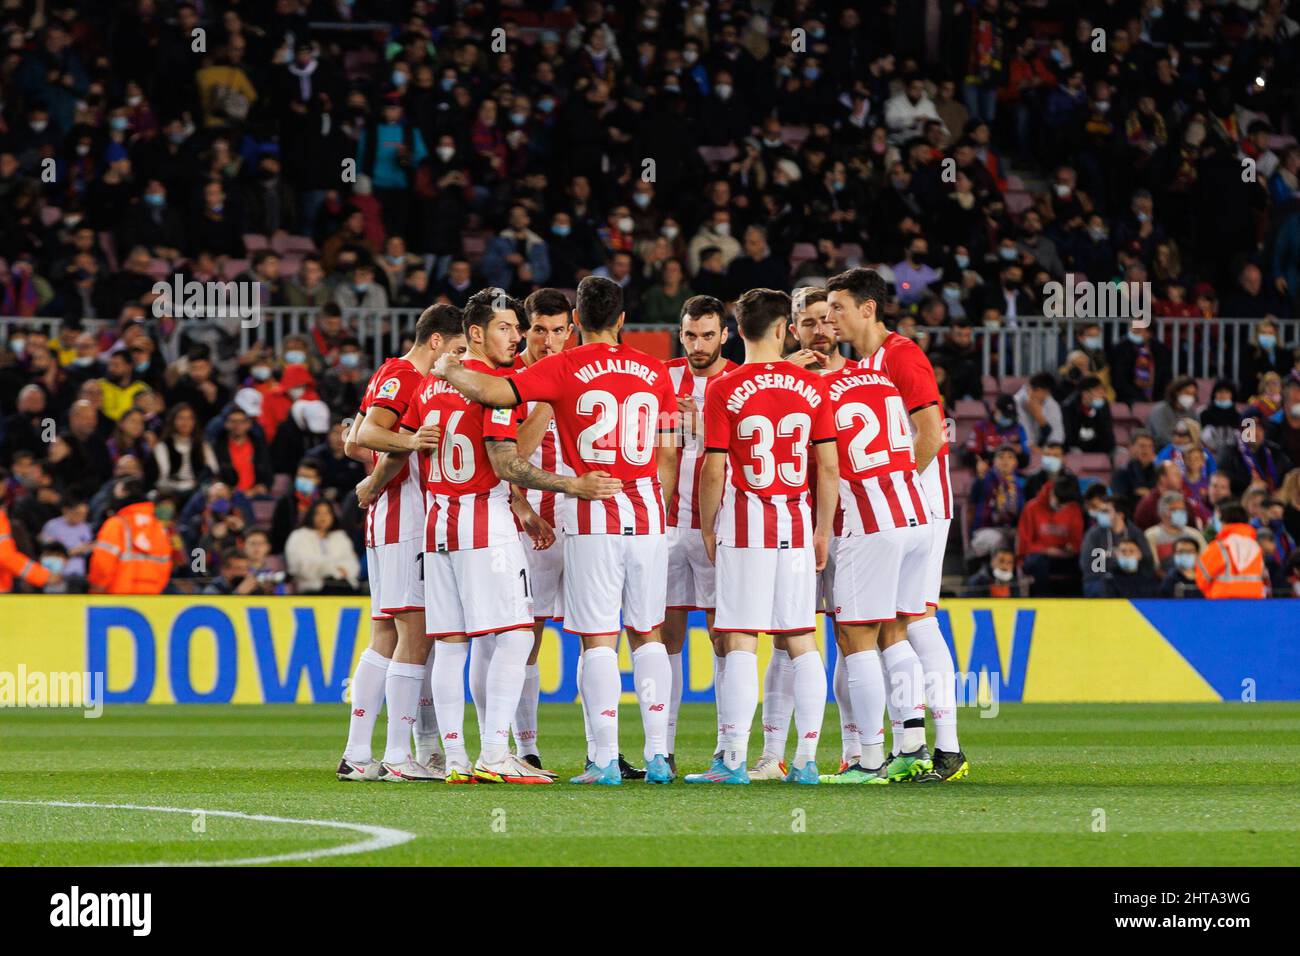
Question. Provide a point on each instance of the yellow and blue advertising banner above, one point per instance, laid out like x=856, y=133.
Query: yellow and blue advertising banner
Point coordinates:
x=200, y=649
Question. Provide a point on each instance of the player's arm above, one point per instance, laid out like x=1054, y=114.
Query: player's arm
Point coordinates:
x=386, y=469
x=929, y=435
x=533, y=430
x=666, y=460
x=491, y=390
x=713, y=473
x=535, y=526
x=352, y=448
x=376, y=434
x=510, y=466
x=828, y=498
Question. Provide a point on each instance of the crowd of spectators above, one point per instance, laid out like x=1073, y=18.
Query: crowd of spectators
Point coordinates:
x=360, y=154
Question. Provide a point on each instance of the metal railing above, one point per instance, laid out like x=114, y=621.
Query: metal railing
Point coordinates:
x=1017, y=348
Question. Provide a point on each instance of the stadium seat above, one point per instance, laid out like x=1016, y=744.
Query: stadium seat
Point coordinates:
x=233, y=268
x=474, y=246
x=1018, y=201
x=254, y=241
x=852, y=253
x=263, y=511
x=969, y=408
x=159, y=268
x=1090, y=462
x=801, y=253
x=286, y=244
x=50, y=215
x=793, y=136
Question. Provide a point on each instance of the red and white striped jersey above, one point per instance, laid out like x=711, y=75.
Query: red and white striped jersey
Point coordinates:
x=879, y=487
x=398, y=513
x=766, y=418
x=684, y=505
x=610, y=403
x=548, y=456
x=469, y=506
x=907, y=366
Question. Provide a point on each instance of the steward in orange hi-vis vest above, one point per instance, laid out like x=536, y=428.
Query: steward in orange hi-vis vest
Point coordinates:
x=15, y=564
x=1232, y=566
x=133, y=553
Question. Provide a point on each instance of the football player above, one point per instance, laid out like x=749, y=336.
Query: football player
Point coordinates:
x=765, y=420
x=549, y=325
x=615, y=411
x=393, y=531
x=690, y=572
x=818, y=352
x=475, y=573
x=856, y=298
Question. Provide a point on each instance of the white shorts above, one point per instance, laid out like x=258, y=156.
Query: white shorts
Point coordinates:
x=766, y=590
x=606, y=572
x=477, y=591
x=396, y=584
x=826, y=580
x=691, y=575
x=934, y=564
x=879, y=576
x=545, y=577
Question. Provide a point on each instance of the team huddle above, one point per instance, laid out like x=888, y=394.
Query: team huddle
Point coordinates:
x=600, y=486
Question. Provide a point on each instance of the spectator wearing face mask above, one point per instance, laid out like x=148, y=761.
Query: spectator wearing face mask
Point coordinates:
x=1285, y=423
x=1263, y=354
x=997, y=579
x=1049, y=536
x=1174, y=521
x=1132, y=577
x=342, y=386
x=1232, y=565
x=1254, y=458
x=1139, y=367
x=1002, y=427
x=1169, y=478
x=1050, y=464
x=292, y=507
x=1186, y=438
x=1097, y=556
x=1179, y=580
x=362, y=291
x=1179, y=403
x=1087, y=418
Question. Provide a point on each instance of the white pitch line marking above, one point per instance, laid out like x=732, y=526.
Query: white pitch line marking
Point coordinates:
x=379, y=838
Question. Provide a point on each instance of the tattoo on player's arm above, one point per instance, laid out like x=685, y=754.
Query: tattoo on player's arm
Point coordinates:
x=506, y=462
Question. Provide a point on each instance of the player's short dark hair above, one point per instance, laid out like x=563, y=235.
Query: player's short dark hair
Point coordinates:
x=1231, y=512
x=485, y=303
x=698, y=306
x=758, y=310
x=805, y=296
x=862, y=284
x=442, y=318
x=600, y=303
x=548, y=302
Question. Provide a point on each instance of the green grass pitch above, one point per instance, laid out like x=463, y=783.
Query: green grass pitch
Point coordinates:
x=1194, y=784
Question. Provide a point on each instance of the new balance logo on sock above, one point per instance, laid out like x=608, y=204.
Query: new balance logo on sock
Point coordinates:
x=769, y=729
x=655, y=708
x=426, y=701
x=451, y=736
x=359, y=712
x=408, y=720
x=526, y=735
x=609, y=713
x=811, y=735
x=850, y=728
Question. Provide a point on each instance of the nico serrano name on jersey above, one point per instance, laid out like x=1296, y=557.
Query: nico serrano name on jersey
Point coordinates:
x=772, y=380
x=601, y=367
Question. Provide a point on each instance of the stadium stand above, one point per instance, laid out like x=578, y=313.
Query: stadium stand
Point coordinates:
x=379, y=156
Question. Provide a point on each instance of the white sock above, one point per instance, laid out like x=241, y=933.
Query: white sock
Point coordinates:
x=739, y=701
x=449, y=698
x=866, y=685
x=809, y=704
x=504, y=685
x=940, y=681
x=906, y=686
x=586, y=721
x=778, y=704
x=674, y=705
x=601, y=687
x=850, y=748
x=480, y=658
x=402, y=689
x=525, y=723
x=719, y=672
x=367, y=699
x=427, y=741
x=652, y=675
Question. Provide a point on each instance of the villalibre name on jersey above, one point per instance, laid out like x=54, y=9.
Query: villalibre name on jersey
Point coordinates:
x=790, y=383
x=616, y=366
